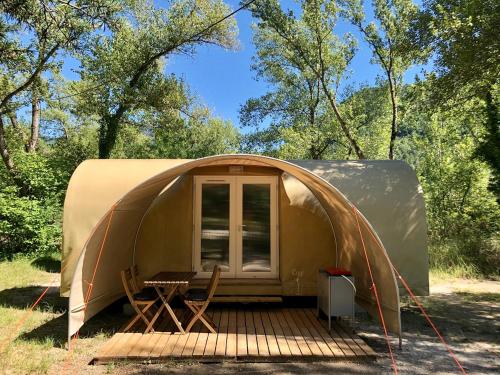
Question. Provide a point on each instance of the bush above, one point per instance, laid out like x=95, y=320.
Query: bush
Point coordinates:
x=468, y=255
x=27, y=225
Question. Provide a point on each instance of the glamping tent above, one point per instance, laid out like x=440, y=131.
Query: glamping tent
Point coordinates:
x=270, y=224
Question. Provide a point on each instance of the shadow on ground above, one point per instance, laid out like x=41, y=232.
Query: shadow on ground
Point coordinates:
x=468, y=321
x=107, y=321
x=47, y=264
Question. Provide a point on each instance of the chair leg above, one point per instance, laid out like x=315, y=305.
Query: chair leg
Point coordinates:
x=140, y=314
x=199, y=314
x=132, y=322
x=193, y=319
x=153, y=320
x=207, y=324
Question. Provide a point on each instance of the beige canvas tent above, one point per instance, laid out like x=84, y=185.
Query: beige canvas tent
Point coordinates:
x=150, y=213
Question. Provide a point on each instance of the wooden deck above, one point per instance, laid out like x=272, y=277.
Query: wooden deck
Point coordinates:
x=246, y=333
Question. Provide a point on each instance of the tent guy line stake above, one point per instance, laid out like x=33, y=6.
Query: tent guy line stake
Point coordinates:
x=427, y=317
x=375, y=292
x=433, y=326
x=90, y=288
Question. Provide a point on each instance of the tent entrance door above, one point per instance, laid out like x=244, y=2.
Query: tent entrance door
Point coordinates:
x=235, y=226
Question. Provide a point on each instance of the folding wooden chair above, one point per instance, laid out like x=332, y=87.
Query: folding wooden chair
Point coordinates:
x=197, y=300
x=140, y=299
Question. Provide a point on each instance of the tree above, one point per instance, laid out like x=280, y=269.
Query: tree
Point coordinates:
x=32, y=33
x=309, y=41
x=122, y=74
x=488, y=149
x=296, y=106
x=388, y=36
x=463, y=35
x=463, y=215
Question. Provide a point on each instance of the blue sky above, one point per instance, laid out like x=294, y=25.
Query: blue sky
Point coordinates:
x=223, y=79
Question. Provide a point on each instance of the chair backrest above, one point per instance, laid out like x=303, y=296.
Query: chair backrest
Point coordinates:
x=214, y=280
x=129, y=280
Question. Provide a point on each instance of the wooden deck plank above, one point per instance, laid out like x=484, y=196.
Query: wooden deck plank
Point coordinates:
x=242, y=347
x=220, y=349
x=359, y=341
x=201, y=343
x=212, y=337
x=121, y=348
x=172, y=347
x=363, y=345
x=149, y=345
x=311, y=343
x=272, y=340
x=346, y=349
x=315, y=334
x=160, y=344
x=190, y=343
x=295, y=331
x=349, y=341
x=267, y=333
x=140, y=345
x=133, y=340
x=178, y=344
x=231, y=344
x=107, y=347
x=332, y=344
x=260, y=334
x=287, y=331
x=284, y=342
x=253, y=349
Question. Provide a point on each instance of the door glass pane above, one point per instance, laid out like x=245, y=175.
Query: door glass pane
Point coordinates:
x=256, y=228
x=215, y=226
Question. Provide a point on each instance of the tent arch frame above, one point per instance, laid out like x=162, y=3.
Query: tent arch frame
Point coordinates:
x=173, y=173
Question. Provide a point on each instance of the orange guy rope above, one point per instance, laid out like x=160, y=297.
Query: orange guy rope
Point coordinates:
x=410, y=292
x=28, y=313
x=374, y=289
x=91, y=286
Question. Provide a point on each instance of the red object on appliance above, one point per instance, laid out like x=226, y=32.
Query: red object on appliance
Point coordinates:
x=337, y=271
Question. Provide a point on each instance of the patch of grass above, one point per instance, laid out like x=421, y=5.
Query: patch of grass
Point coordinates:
x=19, y=272
x=447, y=260
x=479, y=297
x=33, y=342
x=466, y=257
x=453, y=272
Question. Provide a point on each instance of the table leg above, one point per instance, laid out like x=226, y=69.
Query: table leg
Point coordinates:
x=167, y=306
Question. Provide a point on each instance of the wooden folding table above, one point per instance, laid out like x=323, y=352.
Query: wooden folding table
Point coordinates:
x=171, y=281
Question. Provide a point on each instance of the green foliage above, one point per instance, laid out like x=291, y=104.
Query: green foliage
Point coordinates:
x=27, y=225
x=463, y=214
x=463, y=35
x=488, y=149
x=123, y=72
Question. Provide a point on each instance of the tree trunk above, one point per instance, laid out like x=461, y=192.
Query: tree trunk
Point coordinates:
x=9, y=162
x=7, y=159
x=394, y=123
x=35, y=125
x=108, y=133
x=342, y=123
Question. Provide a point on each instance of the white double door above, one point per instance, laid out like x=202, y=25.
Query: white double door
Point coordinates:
x=235, y=226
